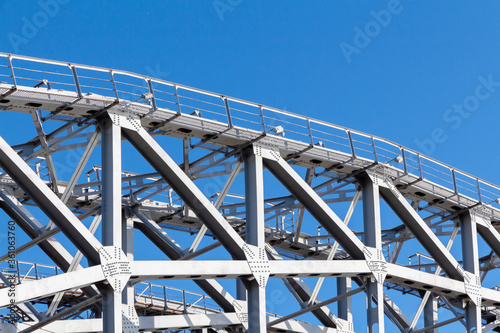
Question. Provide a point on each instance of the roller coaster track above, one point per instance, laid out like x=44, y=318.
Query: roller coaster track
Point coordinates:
x=290, y=233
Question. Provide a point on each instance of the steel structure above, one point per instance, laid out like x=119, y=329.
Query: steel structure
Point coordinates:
x=250, y=229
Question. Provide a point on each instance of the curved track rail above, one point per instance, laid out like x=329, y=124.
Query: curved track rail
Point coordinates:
x=325, y=169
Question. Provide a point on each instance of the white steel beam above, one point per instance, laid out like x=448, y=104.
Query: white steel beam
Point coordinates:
x=75, y=263
x=49, y=202
x=43, y=141
x=78, y=170
x=313, y=203
x=334, y=249
x=187, y=190
x=111, y=215
x=490, y=235
x=128, y=248
x=373, y=238
x=303, y=294
x=317, y=306
x=438, y=284
x=255, y=236
x=230, y=269
x=300, y=213
x=431, y=314
x=51, y=285
x=54, y=250
x=470, y=255
x=62, y=314
x=151, y=270
x=179, y=322
x=427, y=295
x=28, y=309
x=158, y=236
x=421, y=230
x=168, y=246
x=217, y=204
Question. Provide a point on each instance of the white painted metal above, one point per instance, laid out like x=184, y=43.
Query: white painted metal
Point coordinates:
x=233, y=131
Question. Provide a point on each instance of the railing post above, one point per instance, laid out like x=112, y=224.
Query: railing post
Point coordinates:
x=262, y=118
x=420, y=166
x=228, y=112
x=77, y=83
x=374, y=150
x=184, y=301
x=98, y=178
x=114, y=84
x=131, y=191
x=164, y=298
x=205, y=303
x=177, y=100
x=12, y=72
x=479, y=190
x=153, y=99
x=310, y=132
x=454, y=181
x=351, y=143
x=18, y=272
x=405, y=168
x=36, y=271
x=151, y=294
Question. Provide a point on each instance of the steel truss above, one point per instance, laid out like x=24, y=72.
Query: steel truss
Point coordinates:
x=260, y=230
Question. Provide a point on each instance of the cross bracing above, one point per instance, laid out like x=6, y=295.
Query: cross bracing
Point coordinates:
x=257, y=194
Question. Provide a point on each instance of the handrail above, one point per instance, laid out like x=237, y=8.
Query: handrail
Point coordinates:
x=186, y=295
x=375, y=141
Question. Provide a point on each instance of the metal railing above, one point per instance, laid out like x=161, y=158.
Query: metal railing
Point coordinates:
x=147, y=294
x=422, y=262
x=159, y=94
x=30, y=271
x=174, y=299
x=168, y=298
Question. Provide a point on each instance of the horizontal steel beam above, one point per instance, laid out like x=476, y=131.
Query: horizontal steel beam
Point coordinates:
x=180, y=322
x=230, y=269
x=54, y=284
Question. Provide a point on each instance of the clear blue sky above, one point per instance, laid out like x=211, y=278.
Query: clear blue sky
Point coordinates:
x=400, y=81
x=424, y=74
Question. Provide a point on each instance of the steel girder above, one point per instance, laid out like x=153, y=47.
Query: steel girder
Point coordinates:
x=214, y=221
x=460, y=290
x=174, y=250
x=49, y=202
x=43, y=289
x=180, y=322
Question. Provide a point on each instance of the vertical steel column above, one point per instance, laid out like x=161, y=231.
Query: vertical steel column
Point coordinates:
x=241, y=291
x=372, y=238
x=111, y=215
x=128, y=248
x=471, y=264
x=431, y=313
x=345, y=304
x=254, y=202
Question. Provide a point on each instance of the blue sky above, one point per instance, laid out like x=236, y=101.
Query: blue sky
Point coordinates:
x=424, y=74
x=399, y=85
